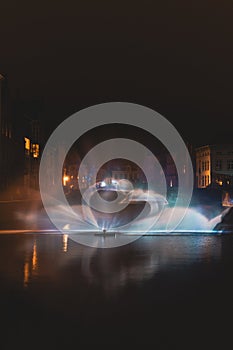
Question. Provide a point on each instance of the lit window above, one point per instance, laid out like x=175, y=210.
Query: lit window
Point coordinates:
x=65, y=180
x=27, y=145
x=35, y=150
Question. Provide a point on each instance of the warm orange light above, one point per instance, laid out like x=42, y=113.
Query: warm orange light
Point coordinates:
x=65, y=180
x=65, y=243
x=35, y=150
x=34, y=256
x=27, y=144
x=26, y=274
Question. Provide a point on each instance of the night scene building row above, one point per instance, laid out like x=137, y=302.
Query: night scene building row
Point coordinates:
x=7, y=147
x=19, y=148
x=21, y=145
x=212, y=168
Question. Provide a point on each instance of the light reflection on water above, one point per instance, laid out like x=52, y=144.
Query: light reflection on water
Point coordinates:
x=55, y=261
x=30, y=264
x=55, y=290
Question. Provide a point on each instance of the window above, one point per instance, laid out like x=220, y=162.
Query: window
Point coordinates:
x=27, y=145
x=35, y=150
x=230, y=164
x=203, y=181
x=199, y=168
x=218, y=164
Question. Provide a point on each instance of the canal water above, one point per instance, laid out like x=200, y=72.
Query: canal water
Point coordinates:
x=165, y=291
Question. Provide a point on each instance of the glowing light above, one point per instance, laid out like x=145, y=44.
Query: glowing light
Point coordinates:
x=114, y=182
x=26, y=274
x=65, y=243
x=35, y=150
x=27, y=145
x=65, y=180
x=34, y=256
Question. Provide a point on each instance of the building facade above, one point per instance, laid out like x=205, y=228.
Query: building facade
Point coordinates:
x=32, y=152
x=214, y=166
x=171, y=172
x=6, y=143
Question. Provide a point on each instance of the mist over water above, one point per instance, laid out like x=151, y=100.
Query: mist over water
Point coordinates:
x=145, y=211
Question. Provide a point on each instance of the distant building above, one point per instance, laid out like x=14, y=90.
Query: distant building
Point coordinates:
x=2, y=132
x=129, y=172
x=32, y=152
x=171, y=172
x=214, y=166
x=28, y=133
x=170, y=169
x=6, y=144
x=111, y=171
x=118, y=169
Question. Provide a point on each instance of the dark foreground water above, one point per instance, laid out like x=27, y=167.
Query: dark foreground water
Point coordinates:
x=169, y=292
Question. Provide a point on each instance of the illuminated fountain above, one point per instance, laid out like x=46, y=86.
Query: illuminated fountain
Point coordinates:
x=122, y=213
x=143, y=213
x=148, y=212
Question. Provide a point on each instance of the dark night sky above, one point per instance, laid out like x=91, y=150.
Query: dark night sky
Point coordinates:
x=173, y=56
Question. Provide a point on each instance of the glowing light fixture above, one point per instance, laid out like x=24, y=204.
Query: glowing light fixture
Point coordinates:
x=65, y=180
x=27, y=145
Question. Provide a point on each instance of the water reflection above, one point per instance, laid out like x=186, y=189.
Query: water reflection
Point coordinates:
x=30, y=264
x=65, y=242
x=68, y=264
x=26, y=274
x=55, y=262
